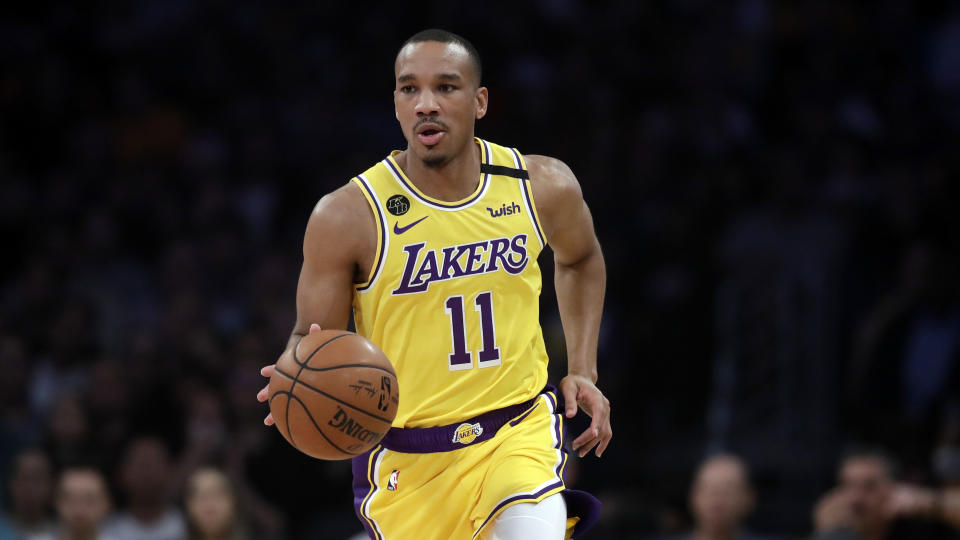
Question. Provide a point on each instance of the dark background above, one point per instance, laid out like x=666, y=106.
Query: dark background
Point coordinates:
x=773, y=183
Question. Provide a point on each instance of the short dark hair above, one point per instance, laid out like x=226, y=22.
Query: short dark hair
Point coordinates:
x=444, y=36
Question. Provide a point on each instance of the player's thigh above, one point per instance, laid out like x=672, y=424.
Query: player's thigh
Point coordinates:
x=526, y=466
x=545, y=520
x=423, y=496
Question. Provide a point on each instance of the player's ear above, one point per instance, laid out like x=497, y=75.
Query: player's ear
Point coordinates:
x=396, y=110
x=481, y=99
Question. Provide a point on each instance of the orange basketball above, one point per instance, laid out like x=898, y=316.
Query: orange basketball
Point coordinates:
x=335, y=397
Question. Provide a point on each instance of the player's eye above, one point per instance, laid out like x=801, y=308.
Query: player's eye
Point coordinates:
x=406, y=89
x=446, y=88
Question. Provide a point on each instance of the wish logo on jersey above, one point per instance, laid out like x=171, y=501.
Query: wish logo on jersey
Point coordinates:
x=467, y=433
x=504, y=210
x=420, y=270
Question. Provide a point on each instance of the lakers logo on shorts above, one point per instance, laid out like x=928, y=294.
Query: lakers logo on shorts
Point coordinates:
x=467, y=433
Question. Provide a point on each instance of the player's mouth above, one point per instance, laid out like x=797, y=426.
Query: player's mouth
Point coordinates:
x=429, y=134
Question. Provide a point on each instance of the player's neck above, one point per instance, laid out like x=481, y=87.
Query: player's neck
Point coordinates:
x=455, y=180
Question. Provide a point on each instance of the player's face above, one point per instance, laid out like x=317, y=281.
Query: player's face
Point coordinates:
x=437, y=100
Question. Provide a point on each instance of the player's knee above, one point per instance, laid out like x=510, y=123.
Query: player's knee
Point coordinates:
x=545, y=520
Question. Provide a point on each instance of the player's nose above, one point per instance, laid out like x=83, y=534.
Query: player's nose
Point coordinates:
x=427, y=104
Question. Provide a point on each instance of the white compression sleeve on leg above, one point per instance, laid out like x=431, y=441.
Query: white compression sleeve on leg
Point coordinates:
x=546, y=520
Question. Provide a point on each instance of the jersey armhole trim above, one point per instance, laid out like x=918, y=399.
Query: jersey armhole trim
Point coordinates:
x=383, y=239
x=527, y=193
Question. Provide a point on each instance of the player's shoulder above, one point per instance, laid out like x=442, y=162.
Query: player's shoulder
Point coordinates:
x=341, y=205
x=551, y=173
x=342, y=216
x=552, y=181
x=347, y=210
x=546, y=167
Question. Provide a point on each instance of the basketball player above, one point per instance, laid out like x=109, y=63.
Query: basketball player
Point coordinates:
x=435, y=249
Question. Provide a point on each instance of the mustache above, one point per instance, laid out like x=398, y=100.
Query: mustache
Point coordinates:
x=430, y=120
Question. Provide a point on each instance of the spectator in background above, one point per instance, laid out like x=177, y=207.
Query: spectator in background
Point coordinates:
x=68, y=427
x=721, y=498
x=109, y=406
x=869, y=504
x=31, y=488
x=18, y=427
x=946, y=456
x=83, y=503
x=906, y=357
x=69, y=344
x=146, y=476
x=212, y=509
x=208, y=439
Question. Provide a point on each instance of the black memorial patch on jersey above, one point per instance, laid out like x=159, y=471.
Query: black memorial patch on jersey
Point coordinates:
x=398, y=205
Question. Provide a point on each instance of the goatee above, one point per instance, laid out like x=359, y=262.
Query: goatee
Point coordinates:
x=434, y=162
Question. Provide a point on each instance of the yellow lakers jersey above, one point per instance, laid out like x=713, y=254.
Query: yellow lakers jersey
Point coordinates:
x=453, y=296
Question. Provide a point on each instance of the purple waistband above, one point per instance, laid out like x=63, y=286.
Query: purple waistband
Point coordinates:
x=455, y=436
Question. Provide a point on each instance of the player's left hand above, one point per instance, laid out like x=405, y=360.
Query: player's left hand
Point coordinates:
x=580, y=391
x=267, y=371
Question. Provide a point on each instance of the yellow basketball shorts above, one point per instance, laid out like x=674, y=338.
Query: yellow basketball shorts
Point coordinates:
x=451, y=482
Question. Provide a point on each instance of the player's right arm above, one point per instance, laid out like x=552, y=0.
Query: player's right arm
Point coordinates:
x=338, y=247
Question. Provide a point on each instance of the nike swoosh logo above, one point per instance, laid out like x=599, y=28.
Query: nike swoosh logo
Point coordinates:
x=400, y=230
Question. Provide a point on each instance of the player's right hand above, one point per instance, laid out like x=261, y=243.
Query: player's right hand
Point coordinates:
x=267, y=371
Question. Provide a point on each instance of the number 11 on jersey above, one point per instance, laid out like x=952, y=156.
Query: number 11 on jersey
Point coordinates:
x=461, y=358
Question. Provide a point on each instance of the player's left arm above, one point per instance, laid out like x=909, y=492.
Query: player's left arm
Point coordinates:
x=580, y=281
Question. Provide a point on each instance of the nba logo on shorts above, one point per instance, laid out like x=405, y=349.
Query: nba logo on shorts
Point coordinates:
x=466, y=433
x=392, y=481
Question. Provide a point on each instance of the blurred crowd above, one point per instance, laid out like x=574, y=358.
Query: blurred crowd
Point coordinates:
x=84, y=509
x=774, y=185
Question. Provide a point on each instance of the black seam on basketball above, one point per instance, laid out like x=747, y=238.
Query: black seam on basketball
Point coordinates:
x=291, y=397
x=305, y=362
x=338, y=400
x=287, y=413
x=286, y=419
x=341, y=366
